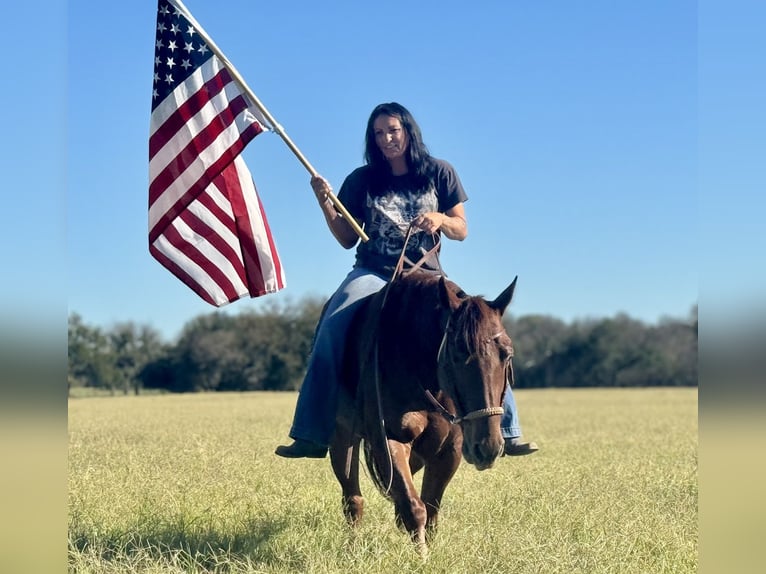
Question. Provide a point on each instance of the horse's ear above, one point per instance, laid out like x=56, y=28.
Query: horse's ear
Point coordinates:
x=447, y=297
x=504, y=299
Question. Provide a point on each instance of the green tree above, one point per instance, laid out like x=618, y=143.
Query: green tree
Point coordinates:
x=535, y=338
x=206, y=355
x=133, y=348
x=264, y=349
x=268, y=349
x=279, y=338
x=90, y=357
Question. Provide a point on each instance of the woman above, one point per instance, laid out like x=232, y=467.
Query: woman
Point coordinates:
x=401, y=184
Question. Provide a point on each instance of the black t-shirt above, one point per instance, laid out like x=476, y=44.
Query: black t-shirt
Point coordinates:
x=386, y=216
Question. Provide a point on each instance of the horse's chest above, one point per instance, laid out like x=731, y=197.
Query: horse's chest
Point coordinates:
x=426, y=432
x=411, y=426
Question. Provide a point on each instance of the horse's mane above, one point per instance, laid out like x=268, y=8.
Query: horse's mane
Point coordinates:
x=418, y=301
x=411, y=325
x=405, y=324
x=412, y=300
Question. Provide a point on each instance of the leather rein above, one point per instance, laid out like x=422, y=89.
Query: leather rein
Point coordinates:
x=399, y=271
x=478, y=413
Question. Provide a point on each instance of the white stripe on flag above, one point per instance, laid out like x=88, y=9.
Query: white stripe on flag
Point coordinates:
x=197, y=273
x=273, y=277
x=195, y=171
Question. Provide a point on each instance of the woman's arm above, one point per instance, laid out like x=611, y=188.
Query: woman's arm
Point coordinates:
x=452, y=222
x=340, y=228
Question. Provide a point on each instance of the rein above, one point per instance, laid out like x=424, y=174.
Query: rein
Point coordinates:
x=473, y=415
x=399, y=271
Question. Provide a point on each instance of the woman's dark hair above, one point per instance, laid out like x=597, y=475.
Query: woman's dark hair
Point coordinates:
x=419, y=161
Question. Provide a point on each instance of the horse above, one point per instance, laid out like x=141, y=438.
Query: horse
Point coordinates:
x=425, y=372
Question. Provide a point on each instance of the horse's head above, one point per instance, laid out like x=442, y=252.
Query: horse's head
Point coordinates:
x=474, y=364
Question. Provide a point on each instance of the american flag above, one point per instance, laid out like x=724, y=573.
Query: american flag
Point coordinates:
x=206, y=221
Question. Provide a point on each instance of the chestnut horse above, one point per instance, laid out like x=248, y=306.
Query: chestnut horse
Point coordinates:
x=424, y=377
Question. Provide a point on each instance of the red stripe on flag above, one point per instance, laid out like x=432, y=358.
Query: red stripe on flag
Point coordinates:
x=262, y=262
x=255, y=271
x=196, y=147
x=201, y=184
x=187, y=110
x=229, y=179
x=225, y=217
x=213, y=237
x=209, y=267
x=181, y=274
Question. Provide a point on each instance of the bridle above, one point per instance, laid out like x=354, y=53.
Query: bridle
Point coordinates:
x=478, y=413
x=455, y=420
x=399, y=271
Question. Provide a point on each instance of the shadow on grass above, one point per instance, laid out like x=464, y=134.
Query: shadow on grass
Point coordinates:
x=193, y=544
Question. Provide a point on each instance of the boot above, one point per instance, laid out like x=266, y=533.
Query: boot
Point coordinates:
x=301, y=449
x=514, y=447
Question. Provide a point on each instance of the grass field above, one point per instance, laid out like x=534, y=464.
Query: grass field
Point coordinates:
x=164, y=484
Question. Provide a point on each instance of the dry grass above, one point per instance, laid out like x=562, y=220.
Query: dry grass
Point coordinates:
x=189, y=484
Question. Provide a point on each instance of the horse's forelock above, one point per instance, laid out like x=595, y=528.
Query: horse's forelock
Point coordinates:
x=470, y=319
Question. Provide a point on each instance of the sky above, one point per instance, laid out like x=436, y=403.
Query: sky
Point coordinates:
x=610, y=159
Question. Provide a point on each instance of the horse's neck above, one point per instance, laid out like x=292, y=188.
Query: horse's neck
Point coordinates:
x=415, y=326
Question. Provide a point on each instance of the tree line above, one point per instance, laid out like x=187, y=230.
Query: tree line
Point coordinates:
x=267, y=349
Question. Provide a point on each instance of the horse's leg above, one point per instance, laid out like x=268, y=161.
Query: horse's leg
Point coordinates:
x=409, y=508
x=344, y=456
x=416, y=463
x=436, y=476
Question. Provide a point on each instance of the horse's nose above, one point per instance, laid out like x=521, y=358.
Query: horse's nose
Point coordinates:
x=487, y=451
x=495, y=448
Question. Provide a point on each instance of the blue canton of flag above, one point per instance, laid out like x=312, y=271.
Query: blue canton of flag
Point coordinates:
x=179, y=50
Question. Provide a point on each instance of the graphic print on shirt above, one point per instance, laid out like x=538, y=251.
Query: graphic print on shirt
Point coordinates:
x=390, y=216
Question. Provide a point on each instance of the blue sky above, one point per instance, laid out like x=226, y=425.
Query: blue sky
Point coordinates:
x=585, y=134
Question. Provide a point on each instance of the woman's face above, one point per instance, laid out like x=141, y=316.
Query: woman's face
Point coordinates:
x=391, y=137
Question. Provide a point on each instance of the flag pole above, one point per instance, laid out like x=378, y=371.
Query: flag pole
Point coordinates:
x=275, y=126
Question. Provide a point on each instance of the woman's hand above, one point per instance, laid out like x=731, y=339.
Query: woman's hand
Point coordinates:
x=429, y=222
x=339, y=227
x=321, y=188
x=452, y=223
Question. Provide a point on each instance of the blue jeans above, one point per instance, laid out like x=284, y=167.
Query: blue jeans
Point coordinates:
x=510, y=427
x=314, y=418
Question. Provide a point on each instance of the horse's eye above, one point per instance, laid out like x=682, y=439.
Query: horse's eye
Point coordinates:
x=506, y=353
